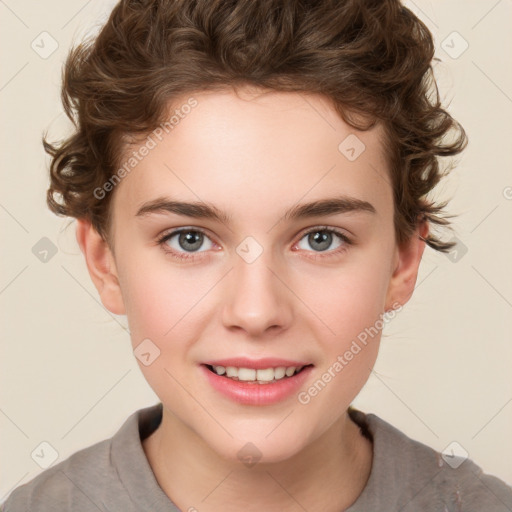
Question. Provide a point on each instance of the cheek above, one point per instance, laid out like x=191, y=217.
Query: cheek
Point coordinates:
x=149, y=305
x=158, y=303
x=152, y=296
x=350, y=304
x=162, y=301
x=348, y=300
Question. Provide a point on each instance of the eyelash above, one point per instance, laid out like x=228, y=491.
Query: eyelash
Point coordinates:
x=319, y=254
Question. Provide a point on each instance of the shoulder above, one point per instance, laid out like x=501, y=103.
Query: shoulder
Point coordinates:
x=409, y=475
x=92, y=479
x=74, y=483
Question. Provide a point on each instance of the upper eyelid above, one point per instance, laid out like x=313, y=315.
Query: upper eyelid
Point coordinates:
x=339, y=231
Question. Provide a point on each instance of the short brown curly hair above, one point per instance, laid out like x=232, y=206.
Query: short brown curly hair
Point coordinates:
x=369, y=57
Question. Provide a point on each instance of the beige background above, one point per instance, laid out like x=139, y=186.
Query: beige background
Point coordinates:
x=68, y=375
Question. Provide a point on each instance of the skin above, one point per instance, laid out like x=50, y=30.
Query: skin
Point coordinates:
x=254, y=156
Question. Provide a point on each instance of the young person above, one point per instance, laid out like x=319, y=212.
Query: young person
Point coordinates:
x=249, y=181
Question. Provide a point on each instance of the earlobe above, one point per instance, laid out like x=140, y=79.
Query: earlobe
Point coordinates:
x=101, y=266
x=403, y=279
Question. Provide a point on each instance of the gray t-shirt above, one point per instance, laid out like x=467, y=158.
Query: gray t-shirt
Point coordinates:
x=114, y=475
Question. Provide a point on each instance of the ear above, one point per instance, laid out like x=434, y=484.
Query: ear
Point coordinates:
x=101, y=265
x=406, y=264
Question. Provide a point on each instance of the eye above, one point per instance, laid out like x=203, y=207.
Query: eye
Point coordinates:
x=186, y=239
x=321, y=238
x=181, y=244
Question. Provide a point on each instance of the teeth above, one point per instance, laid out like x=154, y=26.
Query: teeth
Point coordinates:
x=220, y=370
x=246, y=374
x=231, y=371
x=279, y=373
x=262, y=376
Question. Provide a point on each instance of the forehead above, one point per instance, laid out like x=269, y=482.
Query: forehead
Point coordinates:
x=252, y=149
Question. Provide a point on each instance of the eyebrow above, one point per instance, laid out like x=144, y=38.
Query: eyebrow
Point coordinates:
x=203, y=210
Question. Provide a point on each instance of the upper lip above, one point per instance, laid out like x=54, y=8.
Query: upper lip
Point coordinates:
x=257, y=364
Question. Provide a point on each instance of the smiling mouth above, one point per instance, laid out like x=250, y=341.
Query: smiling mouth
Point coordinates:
x=258, y=376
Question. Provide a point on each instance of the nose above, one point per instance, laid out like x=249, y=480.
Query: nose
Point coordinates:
x=257, y=299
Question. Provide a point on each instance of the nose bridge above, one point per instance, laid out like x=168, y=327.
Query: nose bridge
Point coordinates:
x=257, y=299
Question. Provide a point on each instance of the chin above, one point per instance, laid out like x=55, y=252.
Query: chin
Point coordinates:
x=255, y=447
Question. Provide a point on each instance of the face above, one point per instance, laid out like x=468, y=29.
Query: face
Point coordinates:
x=268, y=278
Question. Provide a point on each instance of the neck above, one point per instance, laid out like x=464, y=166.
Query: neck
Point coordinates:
x=328, y=475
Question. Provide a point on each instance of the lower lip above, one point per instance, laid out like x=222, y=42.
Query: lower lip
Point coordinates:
x=252, y=393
